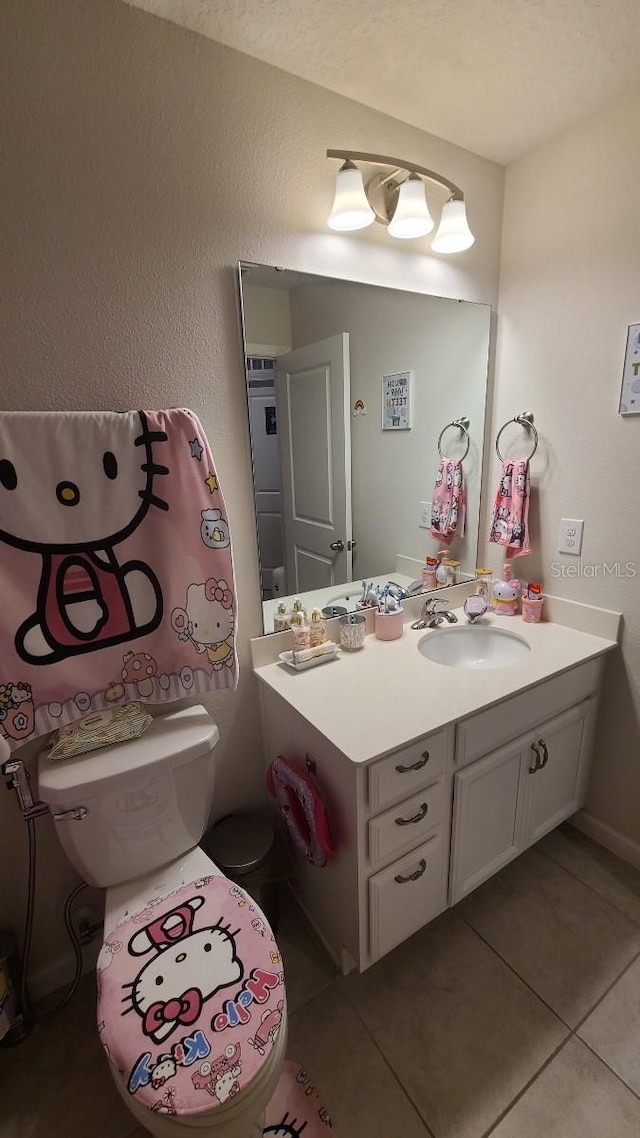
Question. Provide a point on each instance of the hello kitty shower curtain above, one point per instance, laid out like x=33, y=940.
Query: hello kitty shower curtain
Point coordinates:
x=116, y=569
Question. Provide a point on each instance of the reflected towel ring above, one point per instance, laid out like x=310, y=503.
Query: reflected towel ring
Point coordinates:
x=524, y=420
x=463, y=426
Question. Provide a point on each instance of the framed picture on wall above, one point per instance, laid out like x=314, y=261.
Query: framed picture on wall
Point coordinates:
x=630, y=394
x=396, y=401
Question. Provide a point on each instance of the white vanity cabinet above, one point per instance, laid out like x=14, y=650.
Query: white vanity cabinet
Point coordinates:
x=416, y=829
x=506, y=801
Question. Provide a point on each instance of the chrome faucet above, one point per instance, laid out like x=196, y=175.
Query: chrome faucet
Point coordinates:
x=431, y=616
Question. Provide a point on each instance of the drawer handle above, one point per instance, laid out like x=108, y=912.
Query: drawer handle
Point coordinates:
x=414, y=766
x=545, y=756
x=412, y=876
x=424, y=806
x=537, y=762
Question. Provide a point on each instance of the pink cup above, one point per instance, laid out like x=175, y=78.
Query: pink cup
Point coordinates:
x=389, y=625
x=532, y=609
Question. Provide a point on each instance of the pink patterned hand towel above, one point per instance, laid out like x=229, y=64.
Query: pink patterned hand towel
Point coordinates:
x=510, y=521
x=449, y=503
x=116, y=573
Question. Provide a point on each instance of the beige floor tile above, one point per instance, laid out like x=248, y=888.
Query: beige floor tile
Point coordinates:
x=308, y=968
x=613, y=1029
x=353, y=1081
x=614, y=879
x=57, y=1084
x=563, y=939
x=575, y=1097
x=462, y=1033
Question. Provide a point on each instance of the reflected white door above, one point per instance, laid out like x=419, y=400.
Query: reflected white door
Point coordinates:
x=313, y=392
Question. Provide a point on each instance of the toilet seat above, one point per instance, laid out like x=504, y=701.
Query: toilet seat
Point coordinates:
x=191, y=1000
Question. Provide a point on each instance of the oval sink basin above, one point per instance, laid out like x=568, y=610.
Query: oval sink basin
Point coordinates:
x=473, y=647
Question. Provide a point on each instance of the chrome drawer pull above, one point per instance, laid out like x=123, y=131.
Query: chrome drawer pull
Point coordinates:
x=412, y=876
x=414, y=766
x=424, y=806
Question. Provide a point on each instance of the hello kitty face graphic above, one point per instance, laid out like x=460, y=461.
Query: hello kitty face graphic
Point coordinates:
x=187, y=968
x=82, y=505
x=73, y=507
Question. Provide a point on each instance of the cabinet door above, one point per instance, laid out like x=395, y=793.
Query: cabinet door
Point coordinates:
x=406, y=896
x=488, y=816
x=557, y=788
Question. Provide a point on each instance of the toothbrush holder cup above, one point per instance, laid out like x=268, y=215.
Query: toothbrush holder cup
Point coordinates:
x=532, y=609
x=389, y=625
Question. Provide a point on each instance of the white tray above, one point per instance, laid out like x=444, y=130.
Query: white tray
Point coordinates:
x=287, y=658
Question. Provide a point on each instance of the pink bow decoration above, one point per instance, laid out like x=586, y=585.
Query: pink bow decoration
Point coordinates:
x=184, y=1009
x=218, y=591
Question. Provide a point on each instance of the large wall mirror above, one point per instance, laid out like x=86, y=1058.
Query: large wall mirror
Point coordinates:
x=349, y=388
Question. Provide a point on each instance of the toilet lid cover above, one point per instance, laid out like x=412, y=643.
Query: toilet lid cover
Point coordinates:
x=190, y=997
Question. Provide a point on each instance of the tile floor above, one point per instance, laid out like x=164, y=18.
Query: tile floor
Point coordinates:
x=517, y=1015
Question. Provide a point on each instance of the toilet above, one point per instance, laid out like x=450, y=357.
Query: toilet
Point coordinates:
x=191, y=996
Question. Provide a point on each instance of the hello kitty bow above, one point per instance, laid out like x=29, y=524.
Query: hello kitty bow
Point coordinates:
x=184, y=1009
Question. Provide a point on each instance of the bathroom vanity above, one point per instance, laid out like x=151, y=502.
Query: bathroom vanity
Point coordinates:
x=434, y=777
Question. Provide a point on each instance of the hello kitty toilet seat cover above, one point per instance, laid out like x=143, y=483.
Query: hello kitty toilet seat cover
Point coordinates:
x=191, y=997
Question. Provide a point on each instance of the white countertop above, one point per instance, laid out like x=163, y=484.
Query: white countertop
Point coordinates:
x=387, y=695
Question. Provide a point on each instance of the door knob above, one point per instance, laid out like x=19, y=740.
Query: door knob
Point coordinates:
x=337, y=546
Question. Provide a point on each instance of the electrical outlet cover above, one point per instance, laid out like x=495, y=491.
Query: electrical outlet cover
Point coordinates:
x=570, y=540
x=424, y=515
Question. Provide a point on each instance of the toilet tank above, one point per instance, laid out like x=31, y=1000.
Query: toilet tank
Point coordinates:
x=125, y=809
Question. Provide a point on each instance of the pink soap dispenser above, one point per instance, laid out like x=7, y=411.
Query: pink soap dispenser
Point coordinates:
x=505, y=594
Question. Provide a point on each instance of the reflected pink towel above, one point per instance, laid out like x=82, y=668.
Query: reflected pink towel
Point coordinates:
x=449, y=503
x=510, y=521
x=116, y=573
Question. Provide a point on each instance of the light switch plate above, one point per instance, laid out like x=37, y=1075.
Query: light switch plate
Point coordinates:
x=424, y=515
x=570, y=540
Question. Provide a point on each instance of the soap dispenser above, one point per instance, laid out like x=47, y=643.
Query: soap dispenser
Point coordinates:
x=505, y=595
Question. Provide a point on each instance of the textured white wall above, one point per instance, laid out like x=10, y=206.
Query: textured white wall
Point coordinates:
x=140, y=162
x=446, y=346
x=569, y=288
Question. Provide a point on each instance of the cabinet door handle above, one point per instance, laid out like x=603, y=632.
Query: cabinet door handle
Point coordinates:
x=537, y=763
x=545, y=755
x=414, y=766
x=422, y=812
x=412, y=876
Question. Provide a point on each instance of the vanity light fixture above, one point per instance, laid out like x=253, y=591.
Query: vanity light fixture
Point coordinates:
x=396, y=197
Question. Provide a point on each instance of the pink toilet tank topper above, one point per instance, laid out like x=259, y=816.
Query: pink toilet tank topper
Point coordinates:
x=191, y=997
x=116, y=567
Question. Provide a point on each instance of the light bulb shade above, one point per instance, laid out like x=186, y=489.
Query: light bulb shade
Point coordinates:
x=411, y=217
x=350, y=209
x=453, y=233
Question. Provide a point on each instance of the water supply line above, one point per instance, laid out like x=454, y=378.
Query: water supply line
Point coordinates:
x=18, y=779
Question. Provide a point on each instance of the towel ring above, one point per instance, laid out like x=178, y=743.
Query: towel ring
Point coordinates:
x=463, y=426
x=525, y=420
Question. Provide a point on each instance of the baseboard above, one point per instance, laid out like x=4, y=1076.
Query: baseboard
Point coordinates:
x=57, y=974
x=608, y=837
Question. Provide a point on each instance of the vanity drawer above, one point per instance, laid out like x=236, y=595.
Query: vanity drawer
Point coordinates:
x=405, y=896
x=491, y=729
x=403, y=825
x=405, y=771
